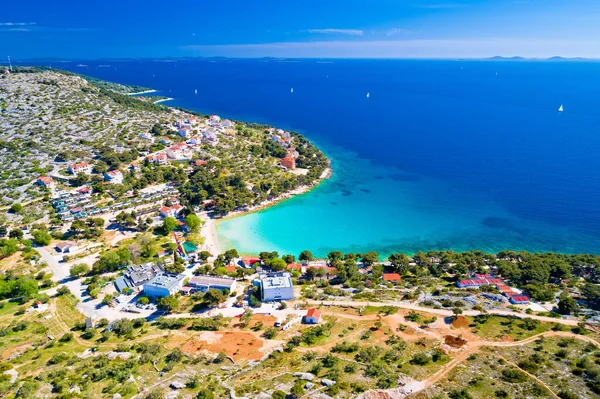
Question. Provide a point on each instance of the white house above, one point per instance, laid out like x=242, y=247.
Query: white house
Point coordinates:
x=164, y=284
x=172, y=211
x=205, y=283
x=114, y=176
x=313, y=316
x=185, y=133
x=66, y=247
x=46, y=181
x=82, y=167
x=276, y=286
x=147, y=136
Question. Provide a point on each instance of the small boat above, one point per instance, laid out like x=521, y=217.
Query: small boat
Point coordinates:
x=560, y=109
x=196, y=91
x=292, y=90
x=368, y=95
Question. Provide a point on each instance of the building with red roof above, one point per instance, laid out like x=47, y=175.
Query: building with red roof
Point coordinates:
x=393, y=277
x=289, y=162
x=45, y=181
x=519, y=299
x=313, y=316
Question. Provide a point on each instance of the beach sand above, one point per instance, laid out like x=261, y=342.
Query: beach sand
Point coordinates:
x=209, y=232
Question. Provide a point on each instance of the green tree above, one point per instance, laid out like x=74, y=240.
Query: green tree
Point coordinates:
x=400, y=262
x=169, y=303
x=79, y=269
x=370, y=258
x=205, y=394
x=193, y=222
x=42, y=238
x=305, y=256
x=16, y=233
x=276, y=264
x=16, y=208
x=289, y=259
x=169, y=224
x=567, y=305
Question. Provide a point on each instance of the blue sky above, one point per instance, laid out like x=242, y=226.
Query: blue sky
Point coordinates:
x=309, y=28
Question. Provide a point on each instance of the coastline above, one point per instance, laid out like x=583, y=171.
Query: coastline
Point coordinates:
x=163, y=100
x=209, y=230
x=280, y=198
x=141, y=92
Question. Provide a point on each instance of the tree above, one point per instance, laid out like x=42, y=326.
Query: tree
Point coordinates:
x=16, y=208
x=205, y=394
x=297, y=390
x=16, y=233
x=3, y=231
x=370, y=257
x=41, y=237
x=169, y=303
x=213, y=297
x=193, y=222
x=270, y=333
x=276, y=264
x=305, y=256
x=278, y=395
x=143, y=300
x=567, y=305
x=289, y=259
x=80, y=180
x=169, y=224
x=400, y=263
x=79, y=269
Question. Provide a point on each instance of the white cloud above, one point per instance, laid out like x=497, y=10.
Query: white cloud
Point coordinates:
x=442, y=6
x=395, y=31
x=331, y=31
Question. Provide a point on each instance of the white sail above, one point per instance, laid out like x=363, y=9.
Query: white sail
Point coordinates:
x=292, y=90
x=561, y=109
x=368, y=95
x=196, y=91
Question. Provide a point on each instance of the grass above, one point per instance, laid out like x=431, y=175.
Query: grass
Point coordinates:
x=499, y=327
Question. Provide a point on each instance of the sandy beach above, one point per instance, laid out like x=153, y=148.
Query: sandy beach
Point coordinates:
x=163, y=100
x=209, y=232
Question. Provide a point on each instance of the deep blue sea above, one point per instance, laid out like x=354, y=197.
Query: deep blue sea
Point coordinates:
x=442, y=155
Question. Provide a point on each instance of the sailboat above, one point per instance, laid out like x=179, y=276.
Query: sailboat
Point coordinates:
x=196, y=91
x=368, y=95
x=560, y=109
x=292, y=90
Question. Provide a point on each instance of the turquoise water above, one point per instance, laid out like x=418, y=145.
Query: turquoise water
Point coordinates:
x=369, y=207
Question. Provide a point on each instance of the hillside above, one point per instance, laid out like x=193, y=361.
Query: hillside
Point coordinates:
x=50, y=119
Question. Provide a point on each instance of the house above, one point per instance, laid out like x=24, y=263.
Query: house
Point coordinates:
x=184, y=132
x=166, y=141
x=164, y=284
x=45, y=181
x=160, y=158
x=231, y=268
x=199, y=162
x=289, y=162
x=137, y=275
x=313, y=316
x=214, y=119
x=147, y=136
x=519, y=299
x=66, y=247
x=114, y=176
x=226, y=124
x=82, y=167
x=134, y=166
x=205, y=283
x=391, y=277
x=248, y=261
x=172, y=211
x=276, y=286
x=294, y=267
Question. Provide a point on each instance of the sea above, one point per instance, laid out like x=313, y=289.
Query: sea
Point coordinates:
x=442, y=154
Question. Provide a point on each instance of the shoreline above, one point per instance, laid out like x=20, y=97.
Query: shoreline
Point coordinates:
x=209, y=230
x=142, y=92
x=280, y=198
x=163, y=100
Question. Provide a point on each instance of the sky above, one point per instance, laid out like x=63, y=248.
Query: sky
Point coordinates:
x=301, y=29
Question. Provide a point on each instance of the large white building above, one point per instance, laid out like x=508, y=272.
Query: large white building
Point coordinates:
x=276, y=286
x=205, y=283
x=164, y=284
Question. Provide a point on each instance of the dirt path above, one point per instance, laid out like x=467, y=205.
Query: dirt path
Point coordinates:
x=542, y=383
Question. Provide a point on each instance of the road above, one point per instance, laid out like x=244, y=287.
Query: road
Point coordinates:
x=443, y=312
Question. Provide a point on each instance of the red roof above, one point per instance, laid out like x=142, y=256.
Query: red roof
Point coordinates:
x=494, y=281
x=391, y=277
x=230, y=268
x=479, y=282
x=294, y=266
x=312, y=312
x=520, y=298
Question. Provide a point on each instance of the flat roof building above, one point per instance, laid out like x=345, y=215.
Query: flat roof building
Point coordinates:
x=205, y=283
x=276, y=286
x=164, y=284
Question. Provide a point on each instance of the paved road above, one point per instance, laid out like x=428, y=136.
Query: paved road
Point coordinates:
x=60, y=270
x=443, y=312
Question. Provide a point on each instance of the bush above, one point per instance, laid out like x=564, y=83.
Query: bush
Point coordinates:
x=513, y=376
